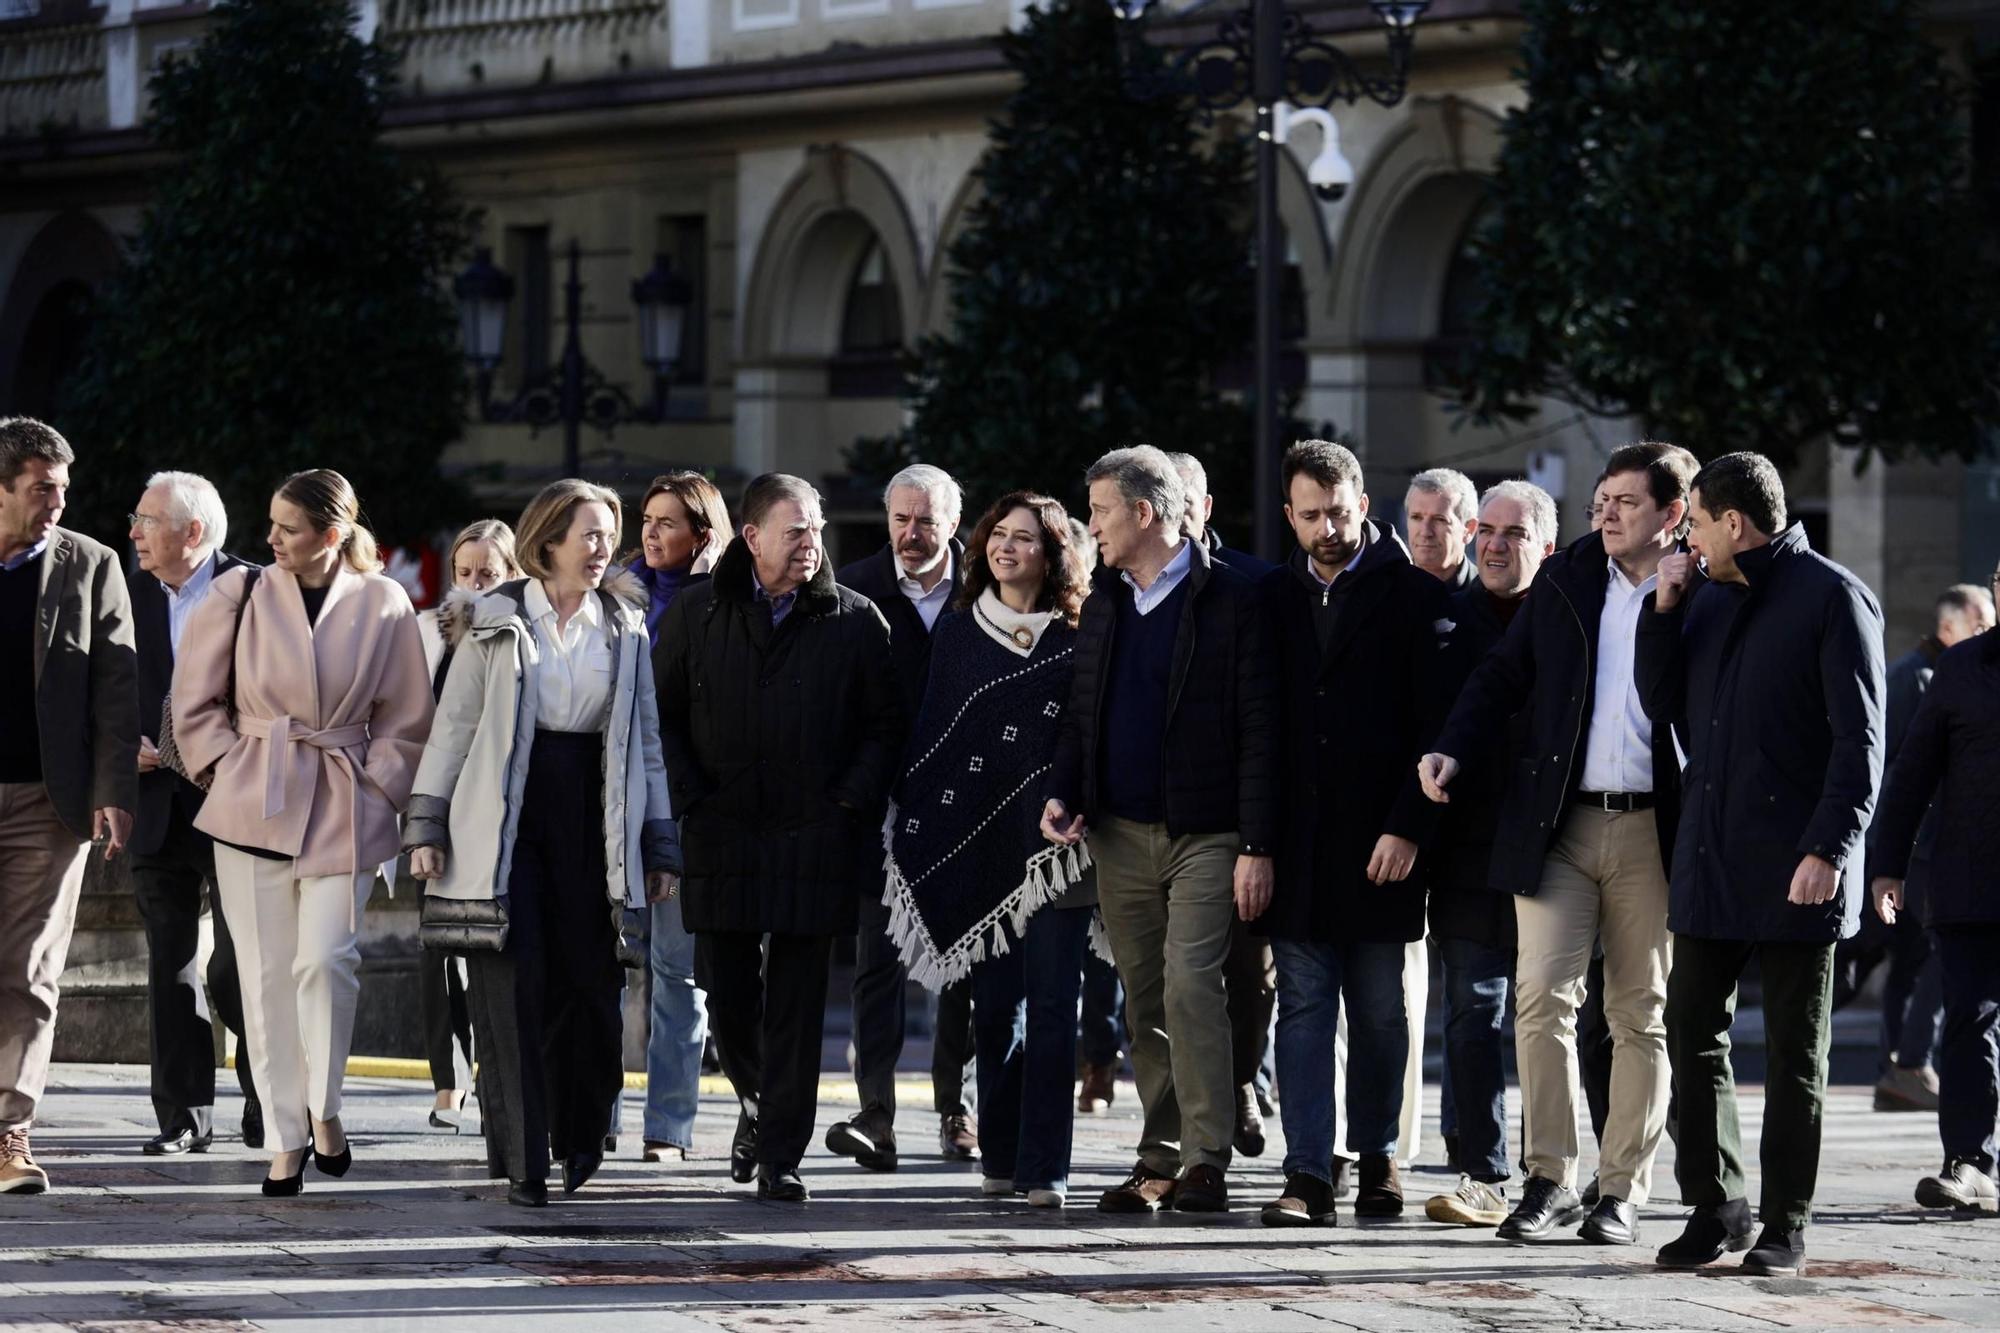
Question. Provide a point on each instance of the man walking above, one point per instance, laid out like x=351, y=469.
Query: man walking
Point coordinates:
x=1441, y=511
x=1362, y=634
x=780, y=730
x=1168, y=750
x=177, y=533
x=68, y=757
x=1773, y=666
x=1582, y=841
x=911, y=581
x=1472, y=924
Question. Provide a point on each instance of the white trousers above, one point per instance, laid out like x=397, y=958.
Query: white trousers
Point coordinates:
x=1416, y=993
x=298, y=953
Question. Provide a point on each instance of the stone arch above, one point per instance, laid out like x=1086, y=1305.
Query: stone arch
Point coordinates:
x=40, y=320
x=819, y=230
x=936, y=317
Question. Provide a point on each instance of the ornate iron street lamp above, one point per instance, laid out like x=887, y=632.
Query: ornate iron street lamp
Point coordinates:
x=572, y=392
x=1268, y=57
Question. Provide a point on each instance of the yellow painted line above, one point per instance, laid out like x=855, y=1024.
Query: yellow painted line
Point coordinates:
x=833, y=1087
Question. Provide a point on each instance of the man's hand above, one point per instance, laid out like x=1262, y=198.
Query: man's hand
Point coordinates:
x=661, y=886
x=1436, y=771
x=427, y=863
x=1254, y=877
x=1058, y=827
x=111, y=826
x=1813, y=882
x=149, y=755
x=1888, y=895
x=1392, y=860
x=1676, y=573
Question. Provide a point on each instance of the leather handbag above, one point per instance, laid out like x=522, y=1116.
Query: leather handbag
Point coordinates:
x=170, y=751
x=463, y=925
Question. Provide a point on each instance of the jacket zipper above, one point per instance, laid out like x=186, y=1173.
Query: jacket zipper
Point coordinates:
x=1589, y=683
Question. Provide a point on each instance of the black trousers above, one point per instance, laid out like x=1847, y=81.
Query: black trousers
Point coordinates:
x=1250, y=978
x=767, y=1009
x=1968, y=1065
x=167, y=887
x=441, y=987
x=545, y=1009
x=880, y=1017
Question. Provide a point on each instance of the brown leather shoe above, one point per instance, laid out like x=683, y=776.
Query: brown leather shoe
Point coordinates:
x=957, y=1140
x=1202, y=1190
x=1099, y=1085
x=1144, y=1191
x=1380, y=1191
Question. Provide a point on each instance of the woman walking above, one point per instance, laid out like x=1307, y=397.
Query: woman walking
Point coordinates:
x=542, y=785
x=684, y=527
x=300, y=691
x=481, y=558
x=973, y=888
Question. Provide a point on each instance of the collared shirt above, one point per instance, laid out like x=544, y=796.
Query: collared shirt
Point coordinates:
x=930, y=605
x=781, y=605
x=11, y=565
x=573, y=683
x=1145, y=599
x=1348, y=568
x=182, y=601
x=1618, y=756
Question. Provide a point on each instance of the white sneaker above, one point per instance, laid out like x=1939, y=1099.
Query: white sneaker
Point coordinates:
x=18, y=1172
x=1473, y=1204
x=995, y=1185
x=1045, y=1198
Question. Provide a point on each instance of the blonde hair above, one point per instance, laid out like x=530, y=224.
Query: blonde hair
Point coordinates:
x=495, y=534
x=545, y=521
x=328, y=501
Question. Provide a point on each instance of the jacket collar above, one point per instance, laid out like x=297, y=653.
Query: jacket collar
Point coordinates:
x=1381, y=548
x=1760, y=563
x=622, y=595
x=733, y=582
x=1200, y=566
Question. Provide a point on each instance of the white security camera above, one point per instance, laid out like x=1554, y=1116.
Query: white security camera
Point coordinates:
x=1329, y=173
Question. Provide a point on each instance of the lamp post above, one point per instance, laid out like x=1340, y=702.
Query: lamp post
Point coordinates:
x=1290, y=76
x=572, y=392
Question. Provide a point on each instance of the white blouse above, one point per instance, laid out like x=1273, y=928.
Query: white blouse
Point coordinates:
x=573, y=683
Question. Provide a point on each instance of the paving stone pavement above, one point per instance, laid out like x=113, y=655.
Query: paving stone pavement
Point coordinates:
x=415, y=1235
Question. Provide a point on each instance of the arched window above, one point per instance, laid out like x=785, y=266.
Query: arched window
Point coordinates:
x=1448, y=352
x=869, y=362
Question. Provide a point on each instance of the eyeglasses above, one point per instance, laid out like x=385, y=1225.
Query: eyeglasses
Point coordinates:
x=146, y=521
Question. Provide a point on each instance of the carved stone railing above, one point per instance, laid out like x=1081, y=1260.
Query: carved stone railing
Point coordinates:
x=51, y=79
x=446, y=45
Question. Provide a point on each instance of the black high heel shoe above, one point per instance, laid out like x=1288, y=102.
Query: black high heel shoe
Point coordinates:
x=290, y=1185
x=335, y=1164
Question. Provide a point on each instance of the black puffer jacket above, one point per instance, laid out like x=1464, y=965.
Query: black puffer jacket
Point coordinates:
x=1357, y=715
x=1219, y=755
x=1777, y=684
x=780, y=748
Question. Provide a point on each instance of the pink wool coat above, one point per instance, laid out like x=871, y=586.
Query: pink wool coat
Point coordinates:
x=331, y=718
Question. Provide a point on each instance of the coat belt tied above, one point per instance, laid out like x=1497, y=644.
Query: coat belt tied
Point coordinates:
x=280, y=734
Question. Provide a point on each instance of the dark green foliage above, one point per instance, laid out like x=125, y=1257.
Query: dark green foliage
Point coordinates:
x=1101, y=277
x=1747, y=224
x=284, y=303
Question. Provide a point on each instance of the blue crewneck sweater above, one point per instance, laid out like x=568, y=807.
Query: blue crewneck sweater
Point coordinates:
x=662, y=586
x=1135, y=705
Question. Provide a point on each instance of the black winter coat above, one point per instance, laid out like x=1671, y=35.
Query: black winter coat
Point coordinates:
x=1908, y=677
x=1464, y=906
x=1951, y=755
x=874, y=577
x=1356, y=718
x=1219, y=754
x=1547, y=664
x=161, y=792
x=1777, y=684
x=780, y=747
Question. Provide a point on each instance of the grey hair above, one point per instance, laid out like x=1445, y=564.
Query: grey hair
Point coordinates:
x=1193, y=475
x=765, y=492
x=934, y=482
x=1143, y=472
x=1539, y=504
x=191, y=497
x=1454, y=486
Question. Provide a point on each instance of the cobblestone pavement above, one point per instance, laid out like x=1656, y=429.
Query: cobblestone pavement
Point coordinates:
x=415, y=1235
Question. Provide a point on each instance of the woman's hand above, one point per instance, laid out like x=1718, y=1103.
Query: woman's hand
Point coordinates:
x=427, y=863
x=711, y=551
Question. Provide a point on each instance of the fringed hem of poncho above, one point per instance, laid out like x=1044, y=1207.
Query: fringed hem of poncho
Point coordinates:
x=1048, y=875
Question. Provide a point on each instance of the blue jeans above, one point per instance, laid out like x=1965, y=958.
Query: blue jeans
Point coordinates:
x=1024, y=1005
x=1476, y=978
x=1313, y=979
x=677, y=1032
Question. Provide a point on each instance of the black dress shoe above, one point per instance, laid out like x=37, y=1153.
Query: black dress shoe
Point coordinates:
x=1777, y=1253
x=332, y=1164
x=1545, y=1209
x=253, y=1123
x=868, y=1139
x=528, y=1193
x=1612, y=1222
x=289, y=1185
x=177, y=1141
x=1591, y=1192
x=580, y=1168
x=781, y=1186
x=1712, y=1231
x=743, y=1149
